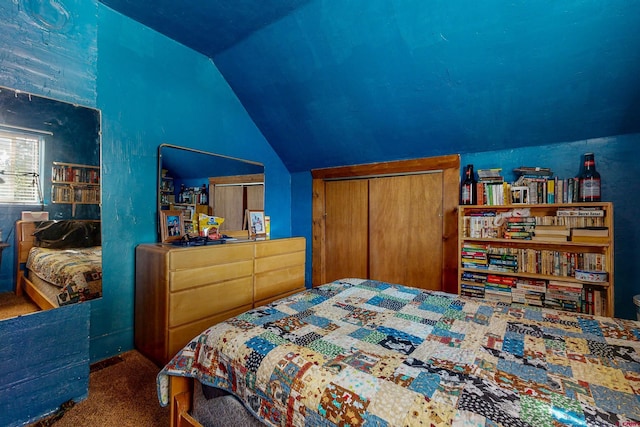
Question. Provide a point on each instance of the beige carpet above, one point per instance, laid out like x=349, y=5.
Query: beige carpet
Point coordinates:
x=12, y=305
x=122, y=393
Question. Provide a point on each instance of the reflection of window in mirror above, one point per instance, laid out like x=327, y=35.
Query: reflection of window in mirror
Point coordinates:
x=231, y=196
x=20, y=167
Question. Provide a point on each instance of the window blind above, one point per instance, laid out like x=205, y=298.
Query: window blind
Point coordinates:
x=19, y=167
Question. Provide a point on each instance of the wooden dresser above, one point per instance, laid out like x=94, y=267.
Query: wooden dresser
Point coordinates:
x=181, y=291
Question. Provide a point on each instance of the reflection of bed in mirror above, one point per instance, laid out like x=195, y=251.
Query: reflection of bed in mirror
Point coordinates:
x=65, y=273
x=234, y=185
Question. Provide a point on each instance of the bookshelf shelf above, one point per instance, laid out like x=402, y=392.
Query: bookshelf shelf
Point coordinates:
x=517, y=266
x=75, y=184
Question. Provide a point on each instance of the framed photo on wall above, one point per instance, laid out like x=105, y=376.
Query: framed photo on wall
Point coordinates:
x=256, y=225
x=171, y=225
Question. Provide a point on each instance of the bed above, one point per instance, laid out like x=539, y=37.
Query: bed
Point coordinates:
x=59, y=262
x=362, y=352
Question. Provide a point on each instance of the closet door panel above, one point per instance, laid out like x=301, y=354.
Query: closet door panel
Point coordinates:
x=255, y=197
x=229, y=204
x=405, y=229
x=346, y=229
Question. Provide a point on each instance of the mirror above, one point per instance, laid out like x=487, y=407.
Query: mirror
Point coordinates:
x=196, y=182
x=69, y=136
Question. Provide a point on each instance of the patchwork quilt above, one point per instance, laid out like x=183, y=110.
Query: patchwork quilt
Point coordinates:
x=360, y=352
x=77, y=272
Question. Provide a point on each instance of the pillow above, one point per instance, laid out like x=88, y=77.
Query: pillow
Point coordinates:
x=67, y=234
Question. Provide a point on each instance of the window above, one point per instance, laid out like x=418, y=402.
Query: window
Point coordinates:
x=20, y=167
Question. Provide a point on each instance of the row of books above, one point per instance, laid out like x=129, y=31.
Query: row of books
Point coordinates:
x=561, y=227
x=568, y=296
x=533, y=186
x=527, y=260
x=75, y=174
x=75, y=195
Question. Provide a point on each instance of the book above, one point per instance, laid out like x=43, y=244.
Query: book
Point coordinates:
x=533, y=171
x=579, y=212
x=590, y=239
x=590, y=231
x=551, y=230
x=549, y=238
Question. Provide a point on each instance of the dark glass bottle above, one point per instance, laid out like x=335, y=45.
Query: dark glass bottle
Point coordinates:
x=203, y=195
x=181, y=196
x=469, y=189
x=589, y=180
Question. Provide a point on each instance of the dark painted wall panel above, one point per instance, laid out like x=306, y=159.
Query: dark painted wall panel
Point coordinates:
x=45, y=358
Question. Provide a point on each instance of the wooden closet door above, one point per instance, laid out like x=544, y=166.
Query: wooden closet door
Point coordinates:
x=255, y=197
x=405, y=230
x=346, y=229
x=228, y=204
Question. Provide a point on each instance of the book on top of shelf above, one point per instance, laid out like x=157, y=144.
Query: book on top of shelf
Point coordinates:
x=533, y=171
x=489, y=173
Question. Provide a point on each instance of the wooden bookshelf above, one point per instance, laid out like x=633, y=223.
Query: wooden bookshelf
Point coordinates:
x=519, y=260
x=75, y=184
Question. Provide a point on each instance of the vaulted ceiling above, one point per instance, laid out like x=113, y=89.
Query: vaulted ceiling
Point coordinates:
x=333, y=82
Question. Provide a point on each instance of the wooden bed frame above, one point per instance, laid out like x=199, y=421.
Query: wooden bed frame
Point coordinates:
x=25, y=240
x=181, y=401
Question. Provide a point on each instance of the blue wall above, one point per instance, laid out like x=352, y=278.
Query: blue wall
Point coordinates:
x=151, y=90
x=45, y=362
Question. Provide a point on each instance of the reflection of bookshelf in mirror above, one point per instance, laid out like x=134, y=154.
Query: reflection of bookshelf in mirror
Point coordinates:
x=75, y=184
x=190, y=213
x=567, y=264
x=167, y=193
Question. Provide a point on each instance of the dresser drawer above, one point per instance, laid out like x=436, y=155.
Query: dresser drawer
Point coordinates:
x=179, y=336
x=274, y=283
x=277, y=262
x=194, y=257
x=195, y=277
x=279, y=246
x=198, y=303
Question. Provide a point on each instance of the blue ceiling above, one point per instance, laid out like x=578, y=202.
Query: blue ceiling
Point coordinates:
x=333, y=83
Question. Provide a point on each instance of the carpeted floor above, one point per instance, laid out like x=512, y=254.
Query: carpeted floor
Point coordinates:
x=12, y=305
x=122, y=393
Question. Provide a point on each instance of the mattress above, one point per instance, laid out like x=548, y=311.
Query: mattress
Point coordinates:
x=77, y=273
x=355, y=352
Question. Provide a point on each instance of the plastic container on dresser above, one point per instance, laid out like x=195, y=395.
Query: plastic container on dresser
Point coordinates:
x=549, y=255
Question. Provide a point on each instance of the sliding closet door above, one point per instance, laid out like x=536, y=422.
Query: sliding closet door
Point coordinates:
x=228, y=204
x=405, y=230
x=346, y=232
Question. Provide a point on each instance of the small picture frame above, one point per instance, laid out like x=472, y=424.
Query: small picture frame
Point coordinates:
x=255, y=223
x=171, y=225
x=520, y=195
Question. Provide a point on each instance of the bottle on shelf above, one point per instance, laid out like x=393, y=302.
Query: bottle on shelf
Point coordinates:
x=589, y=180
x=182, y=194
x=469, y=188
x=203, y=195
